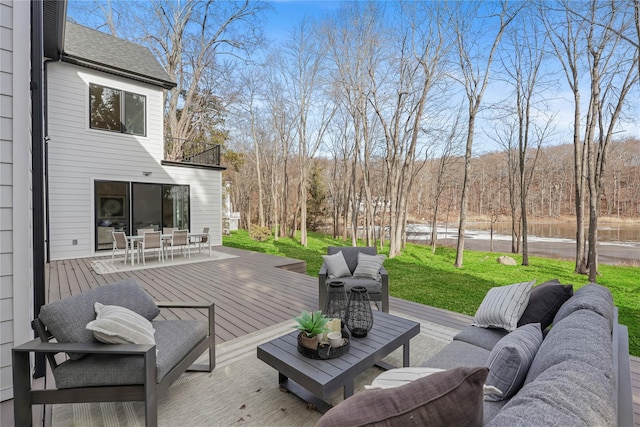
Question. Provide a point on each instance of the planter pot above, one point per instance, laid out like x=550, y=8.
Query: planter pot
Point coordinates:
x=307, y=342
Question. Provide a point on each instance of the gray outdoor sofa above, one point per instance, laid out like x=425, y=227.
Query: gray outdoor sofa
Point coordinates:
x=98, y=372
x=576, y=375
x=579, y=376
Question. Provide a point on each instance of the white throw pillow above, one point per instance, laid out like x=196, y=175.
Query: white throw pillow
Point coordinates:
x=119, y=325
x=369, y=266
x=503, y=306
x=336, y=265
x=400, y=376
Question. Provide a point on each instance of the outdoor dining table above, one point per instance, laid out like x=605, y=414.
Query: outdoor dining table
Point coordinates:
x=193, y=237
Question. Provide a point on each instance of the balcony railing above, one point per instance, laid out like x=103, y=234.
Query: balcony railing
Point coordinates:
x=199, y=153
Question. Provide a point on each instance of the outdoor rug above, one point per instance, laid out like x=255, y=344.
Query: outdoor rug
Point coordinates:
x=104, y=266
x=241, y=390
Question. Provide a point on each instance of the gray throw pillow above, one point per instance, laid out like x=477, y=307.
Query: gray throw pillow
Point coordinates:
x=443, y=399
x=369, y=266
x=336, y=265
x=544, y=302
x=510, y=360
x=503, y=306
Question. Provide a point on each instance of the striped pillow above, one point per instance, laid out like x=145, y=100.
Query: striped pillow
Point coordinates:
x=369, y=266
x=503, y=306
x=119, y=325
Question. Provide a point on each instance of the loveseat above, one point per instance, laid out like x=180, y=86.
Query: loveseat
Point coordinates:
x=116, y=349
x=569, y=366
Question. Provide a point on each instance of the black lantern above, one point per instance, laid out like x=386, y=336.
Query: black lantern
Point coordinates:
x=335, y=306
x=359, y=315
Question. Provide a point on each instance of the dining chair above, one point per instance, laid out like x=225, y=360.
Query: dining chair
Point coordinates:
x=141, y=231
x=151, y=240
x=203, y=239
x=180, y=238
x=119, y=242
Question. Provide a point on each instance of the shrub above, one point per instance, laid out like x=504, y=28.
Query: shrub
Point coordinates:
x=261, y=234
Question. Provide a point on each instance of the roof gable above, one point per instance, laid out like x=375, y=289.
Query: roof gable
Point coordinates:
x=94, y=49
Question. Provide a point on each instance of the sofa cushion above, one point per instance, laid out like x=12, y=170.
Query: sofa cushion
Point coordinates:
x=458, y=353
x=174, y=339
x=119, y=325
x=510, y=360
x=583, y=337
x=503, y=306
x=373, y=286
x=67, y=318
x=570, y=393
x=336, y=265
x=592, y=297
x=486, y=338
x=448, y=398
x=368, y=266
x=544, y=302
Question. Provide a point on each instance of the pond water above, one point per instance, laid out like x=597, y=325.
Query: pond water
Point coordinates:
x=606, y=232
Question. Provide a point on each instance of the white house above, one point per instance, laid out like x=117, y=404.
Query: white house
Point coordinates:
x=81, y=154
x=106, y=168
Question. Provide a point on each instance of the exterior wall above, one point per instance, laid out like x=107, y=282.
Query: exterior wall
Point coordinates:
x=16, y=257
x=79, y=155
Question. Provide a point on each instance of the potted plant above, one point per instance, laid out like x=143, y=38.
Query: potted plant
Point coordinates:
x=310, y=325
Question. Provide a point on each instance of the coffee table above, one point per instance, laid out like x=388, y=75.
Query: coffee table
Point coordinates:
x=315, y=380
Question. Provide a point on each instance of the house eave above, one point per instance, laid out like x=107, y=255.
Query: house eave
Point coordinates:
x=192, y=165
x=75, y=60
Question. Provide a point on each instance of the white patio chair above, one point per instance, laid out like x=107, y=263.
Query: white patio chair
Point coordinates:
x=119, y=242
x=151, y=240
x=180, y=238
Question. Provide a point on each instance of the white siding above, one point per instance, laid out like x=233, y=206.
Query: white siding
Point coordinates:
x=78, y=156
x=16, y=278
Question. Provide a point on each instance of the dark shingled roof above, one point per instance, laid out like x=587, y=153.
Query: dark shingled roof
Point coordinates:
x=94, y=49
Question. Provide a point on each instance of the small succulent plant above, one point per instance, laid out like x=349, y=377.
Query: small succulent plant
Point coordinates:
x=312, y=323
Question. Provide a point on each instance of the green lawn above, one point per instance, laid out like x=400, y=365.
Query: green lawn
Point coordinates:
x=420, y=276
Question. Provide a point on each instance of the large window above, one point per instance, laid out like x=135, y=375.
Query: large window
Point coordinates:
x=116, y=110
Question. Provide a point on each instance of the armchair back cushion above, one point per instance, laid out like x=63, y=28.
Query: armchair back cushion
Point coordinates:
x=67, y=319
x=350, y=254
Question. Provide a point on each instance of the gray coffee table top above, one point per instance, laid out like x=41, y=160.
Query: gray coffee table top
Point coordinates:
x=316, y=380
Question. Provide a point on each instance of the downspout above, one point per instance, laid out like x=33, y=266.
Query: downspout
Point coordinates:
x=37, y=168
x=46, y=159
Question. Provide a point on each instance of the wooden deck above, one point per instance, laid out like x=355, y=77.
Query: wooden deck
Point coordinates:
x=252, y=291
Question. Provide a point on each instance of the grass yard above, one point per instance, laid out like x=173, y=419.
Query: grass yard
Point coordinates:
x=420, y=276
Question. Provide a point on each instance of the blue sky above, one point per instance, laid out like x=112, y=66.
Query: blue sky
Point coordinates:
x=286, y=13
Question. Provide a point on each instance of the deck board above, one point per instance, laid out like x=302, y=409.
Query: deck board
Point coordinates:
x=252, y=291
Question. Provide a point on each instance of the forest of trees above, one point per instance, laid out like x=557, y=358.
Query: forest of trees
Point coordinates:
x=371, y=116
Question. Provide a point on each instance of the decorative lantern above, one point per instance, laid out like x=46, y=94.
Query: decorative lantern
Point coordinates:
x=359, y=315
x=335, y=306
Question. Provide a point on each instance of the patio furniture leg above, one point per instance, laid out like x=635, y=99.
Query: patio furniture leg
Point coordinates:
x=21, y=389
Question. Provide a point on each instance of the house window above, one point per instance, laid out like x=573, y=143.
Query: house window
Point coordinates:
x=117, y=110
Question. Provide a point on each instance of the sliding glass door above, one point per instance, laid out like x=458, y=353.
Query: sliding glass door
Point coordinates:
x=126, y=206
x=111, y=211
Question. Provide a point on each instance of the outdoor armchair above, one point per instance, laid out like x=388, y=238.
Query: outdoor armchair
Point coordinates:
x=377, y=285
x=98, y=372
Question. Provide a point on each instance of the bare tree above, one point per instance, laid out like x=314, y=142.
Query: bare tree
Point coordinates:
x=475, y=70
x=302, y=71
x=448, y=155
x=522, y=64
x=613, y=72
